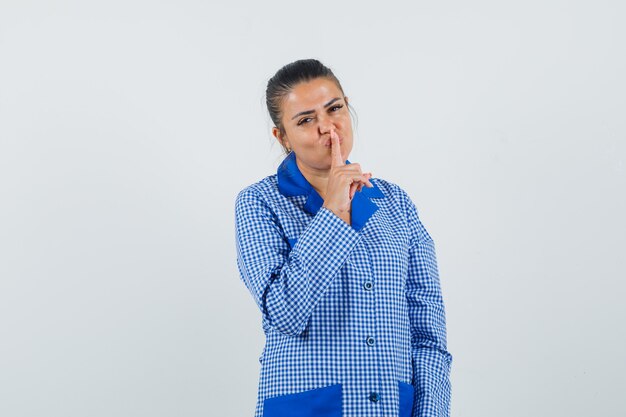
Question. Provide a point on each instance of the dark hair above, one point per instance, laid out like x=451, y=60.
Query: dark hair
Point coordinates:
x=287, y=78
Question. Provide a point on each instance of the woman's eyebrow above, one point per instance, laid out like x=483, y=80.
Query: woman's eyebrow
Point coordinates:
x=302, y=113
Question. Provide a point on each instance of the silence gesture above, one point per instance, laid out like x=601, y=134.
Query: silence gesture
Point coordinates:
x=343, y=180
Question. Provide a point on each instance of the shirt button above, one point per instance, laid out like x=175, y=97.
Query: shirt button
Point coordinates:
x=368, y=285
x=370, y=341
x=374, y=397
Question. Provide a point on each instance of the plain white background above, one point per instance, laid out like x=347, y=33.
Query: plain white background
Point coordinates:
x=128, y=127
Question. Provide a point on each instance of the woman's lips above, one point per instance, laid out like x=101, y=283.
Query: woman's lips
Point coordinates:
x=328, y=142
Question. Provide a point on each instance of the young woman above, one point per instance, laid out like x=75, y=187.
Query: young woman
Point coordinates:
x=342, y=269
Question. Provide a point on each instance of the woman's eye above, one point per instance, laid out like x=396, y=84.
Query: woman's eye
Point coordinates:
x=334, y=109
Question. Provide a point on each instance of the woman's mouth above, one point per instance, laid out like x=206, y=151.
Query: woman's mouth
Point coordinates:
x=329, y=141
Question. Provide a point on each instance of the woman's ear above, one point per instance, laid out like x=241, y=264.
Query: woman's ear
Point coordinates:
x=275, y=132
x=278, y=135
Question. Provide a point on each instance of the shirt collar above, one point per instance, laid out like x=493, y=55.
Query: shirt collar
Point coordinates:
x=291, y=182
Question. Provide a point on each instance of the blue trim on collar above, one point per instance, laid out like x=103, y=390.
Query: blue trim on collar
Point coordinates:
x=291, y=182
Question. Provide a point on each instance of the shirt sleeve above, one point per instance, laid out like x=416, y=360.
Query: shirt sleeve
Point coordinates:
x=288, y=283
x=431, y=360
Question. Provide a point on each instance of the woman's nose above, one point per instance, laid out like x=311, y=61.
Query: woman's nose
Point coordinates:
x=325, y=124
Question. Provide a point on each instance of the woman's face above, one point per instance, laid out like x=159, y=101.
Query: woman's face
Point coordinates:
x=309, y=111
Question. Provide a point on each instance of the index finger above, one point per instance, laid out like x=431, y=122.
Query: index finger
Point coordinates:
x=335, y=149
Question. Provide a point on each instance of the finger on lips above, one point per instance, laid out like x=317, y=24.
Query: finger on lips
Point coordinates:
x=335, y=149
x=337, y=160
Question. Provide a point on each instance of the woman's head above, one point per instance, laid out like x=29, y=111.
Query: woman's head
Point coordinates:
x=305, y=100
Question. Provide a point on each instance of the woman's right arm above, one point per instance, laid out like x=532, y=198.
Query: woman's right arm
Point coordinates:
x=287, y=284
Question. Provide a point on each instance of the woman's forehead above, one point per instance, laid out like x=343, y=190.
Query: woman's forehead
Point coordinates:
x=311, y=94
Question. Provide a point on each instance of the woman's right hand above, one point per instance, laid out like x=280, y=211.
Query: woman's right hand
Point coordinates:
x=343, y=180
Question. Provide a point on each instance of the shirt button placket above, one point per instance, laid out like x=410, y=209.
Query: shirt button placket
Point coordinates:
x=370, y=341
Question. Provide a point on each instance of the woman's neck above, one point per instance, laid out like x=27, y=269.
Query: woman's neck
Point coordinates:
x=317, y=178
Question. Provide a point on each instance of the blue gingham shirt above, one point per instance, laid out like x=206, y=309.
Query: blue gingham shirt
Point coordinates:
x=352, y=313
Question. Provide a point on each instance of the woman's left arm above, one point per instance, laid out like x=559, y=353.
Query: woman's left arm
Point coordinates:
x=431, y=360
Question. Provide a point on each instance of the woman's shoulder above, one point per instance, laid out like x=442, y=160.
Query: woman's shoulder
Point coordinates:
x=259, y=192
x=260, y=187
x=397, y=193
x=391, y=189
